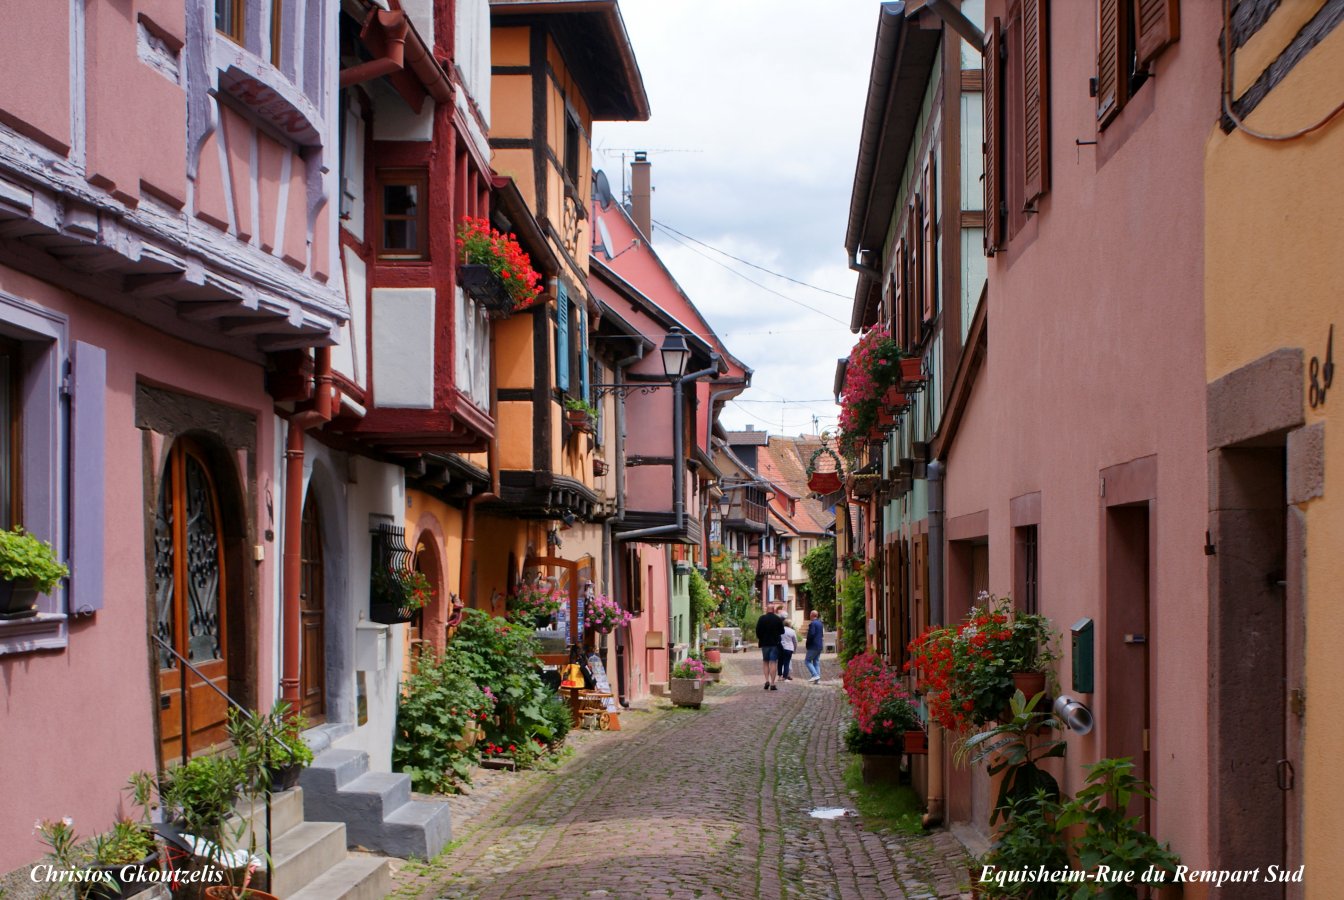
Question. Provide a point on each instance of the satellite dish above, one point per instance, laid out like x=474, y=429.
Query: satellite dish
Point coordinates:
x=602, y=188
x=605, y=237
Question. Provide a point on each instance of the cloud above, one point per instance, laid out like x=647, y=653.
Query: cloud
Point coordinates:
x=756, y=110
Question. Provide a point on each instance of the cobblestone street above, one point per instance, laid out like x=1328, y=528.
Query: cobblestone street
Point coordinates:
x=685, y=803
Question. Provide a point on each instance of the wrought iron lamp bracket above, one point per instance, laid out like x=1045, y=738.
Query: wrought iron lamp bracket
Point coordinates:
x=623, y=390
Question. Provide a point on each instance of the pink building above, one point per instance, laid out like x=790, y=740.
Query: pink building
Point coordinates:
x=1079, y=458
x=165, y=231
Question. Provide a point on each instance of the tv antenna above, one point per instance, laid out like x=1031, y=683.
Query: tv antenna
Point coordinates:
x=624, y=151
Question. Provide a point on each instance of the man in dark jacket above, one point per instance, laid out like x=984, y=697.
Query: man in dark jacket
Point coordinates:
x=813, y=646
x=769, y=629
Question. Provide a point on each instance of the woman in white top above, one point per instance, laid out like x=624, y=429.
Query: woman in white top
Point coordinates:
x=787, y=644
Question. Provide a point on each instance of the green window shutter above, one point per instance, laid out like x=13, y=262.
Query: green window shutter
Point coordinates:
x=583, y=351
x=562, y=338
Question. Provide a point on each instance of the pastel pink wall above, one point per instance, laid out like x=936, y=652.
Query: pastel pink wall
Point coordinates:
x=651, y=663
x=77, y=722
x=35, y=70
x=1095, y=359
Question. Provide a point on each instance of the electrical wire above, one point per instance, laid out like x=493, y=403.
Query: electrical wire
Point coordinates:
x=763, y=287
x=745, y=262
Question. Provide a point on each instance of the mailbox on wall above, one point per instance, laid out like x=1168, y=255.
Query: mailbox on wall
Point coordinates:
x=1084, y=656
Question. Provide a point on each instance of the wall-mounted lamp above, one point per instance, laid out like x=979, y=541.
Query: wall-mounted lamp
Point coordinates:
x=1075, y=716
x=676, y=354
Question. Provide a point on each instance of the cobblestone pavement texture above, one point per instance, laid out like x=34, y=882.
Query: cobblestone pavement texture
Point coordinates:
x=709, y=803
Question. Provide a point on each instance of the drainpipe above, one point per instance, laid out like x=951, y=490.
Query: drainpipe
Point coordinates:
x=934, y=816
x=290, y=626
x=395, y=30
x=863, y=268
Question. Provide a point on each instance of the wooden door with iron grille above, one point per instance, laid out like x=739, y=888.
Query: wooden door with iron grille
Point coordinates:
x=312, y=616
x=190, y=610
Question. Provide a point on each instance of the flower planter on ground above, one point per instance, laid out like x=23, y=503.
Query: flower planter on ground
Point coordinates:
x=881, y=768
x=689, y=692
x=713, y=655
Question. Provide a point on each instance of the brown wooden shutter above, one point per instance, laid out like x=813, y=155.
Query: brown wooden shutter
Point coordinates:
x=1111, y=68
x=993, y=146
x=930, y=243
x=1159, y=25
x=1036, y=100
x=898, y=295
x=914, y=301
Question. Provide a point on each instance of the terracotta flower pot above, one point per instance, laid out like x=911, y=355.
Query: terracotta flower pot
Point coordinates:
x=714, y=656
x=916, y=742
x=912, y=369
x=1029, y=683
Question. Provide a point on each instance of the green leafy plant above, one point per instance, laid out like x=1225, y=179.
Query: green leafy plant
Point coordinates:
x=199, y=795
x=267, y=743
x=1109, y=836
x=733, y=587
x=713, y=668
x=127, y=842
x=439, y=714
x=853, y=631
x=703, y=604
x=576, y=404
x=25, y=558
x=1013, y=748
x=1029, y=841
x=819, y=564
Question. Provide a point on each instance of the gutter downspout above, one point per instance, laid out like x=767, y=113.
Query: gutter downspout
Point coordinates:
x=396, y=30
x=292, y=564
x=934, y=800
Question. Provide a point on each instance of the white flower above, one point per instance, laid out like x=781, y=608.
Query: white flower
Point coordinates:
x=69, y=822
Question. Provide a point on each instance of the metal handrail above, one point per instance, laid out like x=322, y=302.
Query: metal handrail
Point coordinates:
x=251, y=716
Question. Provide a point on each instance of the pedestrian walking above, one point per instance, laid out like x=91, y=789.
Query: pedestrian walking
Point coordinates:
x=788, y=642
x=769, y=629
x=812, y=646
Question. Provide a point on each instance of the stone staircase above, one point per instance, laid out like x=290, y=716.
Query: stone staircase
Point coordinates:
x=309, y=859
x=376, y=807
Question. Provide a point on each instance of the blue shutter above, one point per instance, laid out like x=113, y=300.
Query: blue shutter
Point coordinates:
x=562, y=338
x=88, y=398
x=583, y=351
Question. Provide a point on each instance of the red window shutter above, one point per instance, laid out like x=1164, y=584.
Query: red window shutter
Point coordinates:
x=993, y=147
x=1159, y=25
x=1036, y=99
x=1111, y=31
x=930, y=243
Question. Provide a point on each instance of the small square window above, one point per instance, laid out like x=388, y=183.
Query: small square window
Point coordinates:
x=402, y=214
x=229, y=19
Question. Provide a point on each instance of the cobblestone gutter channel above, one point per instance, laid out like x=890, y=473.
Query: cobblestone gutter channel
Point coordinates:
x=688, y=804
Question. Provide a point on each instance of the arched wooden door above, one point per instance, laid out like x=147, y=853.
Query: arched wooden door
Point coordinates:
x=312, y=616
x=190, y=611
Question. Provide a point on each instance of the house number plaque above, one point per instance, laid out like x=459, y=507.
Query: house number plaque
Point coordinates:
x=1322, y=374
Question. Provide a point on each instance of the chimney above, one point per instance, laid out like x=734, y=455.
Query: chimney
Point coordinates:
x=640, y=208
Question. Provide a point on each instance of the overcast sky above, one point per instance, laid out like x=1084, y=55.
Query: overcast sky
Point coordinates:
x=756, y=110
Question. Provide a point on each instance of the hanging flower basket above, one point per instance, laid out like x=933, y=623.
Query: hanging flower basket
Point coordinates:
x=895, y=399
x=821, y=478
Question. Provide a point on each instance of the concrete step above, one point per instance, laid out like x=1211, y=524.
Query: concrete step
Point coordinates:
x=376, y=807
x=358, y=878
x=286, y=812
x=333, y=769
x=303, y=853
x=420, y=828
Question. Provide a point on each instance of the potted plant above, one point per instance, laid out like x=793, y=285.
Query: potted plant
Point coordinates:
x=124, y=856
x=882, y=715
x=599, y=466
x=688, y=683
x=398, y=594
x=271, y=747
x=28, y=567
x=912, y=370
x=535, y=605
x=714, y=671
x=580, y=414
x=602, y=614
x=493, y=268
x=1011, y=749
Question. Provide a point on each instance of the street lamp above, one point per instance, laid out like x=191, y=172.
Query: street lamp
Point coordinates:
x=675, y=354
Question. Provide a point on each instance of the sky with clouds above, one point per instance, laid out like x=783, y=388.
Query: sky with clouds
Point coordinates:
x=756, y=111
